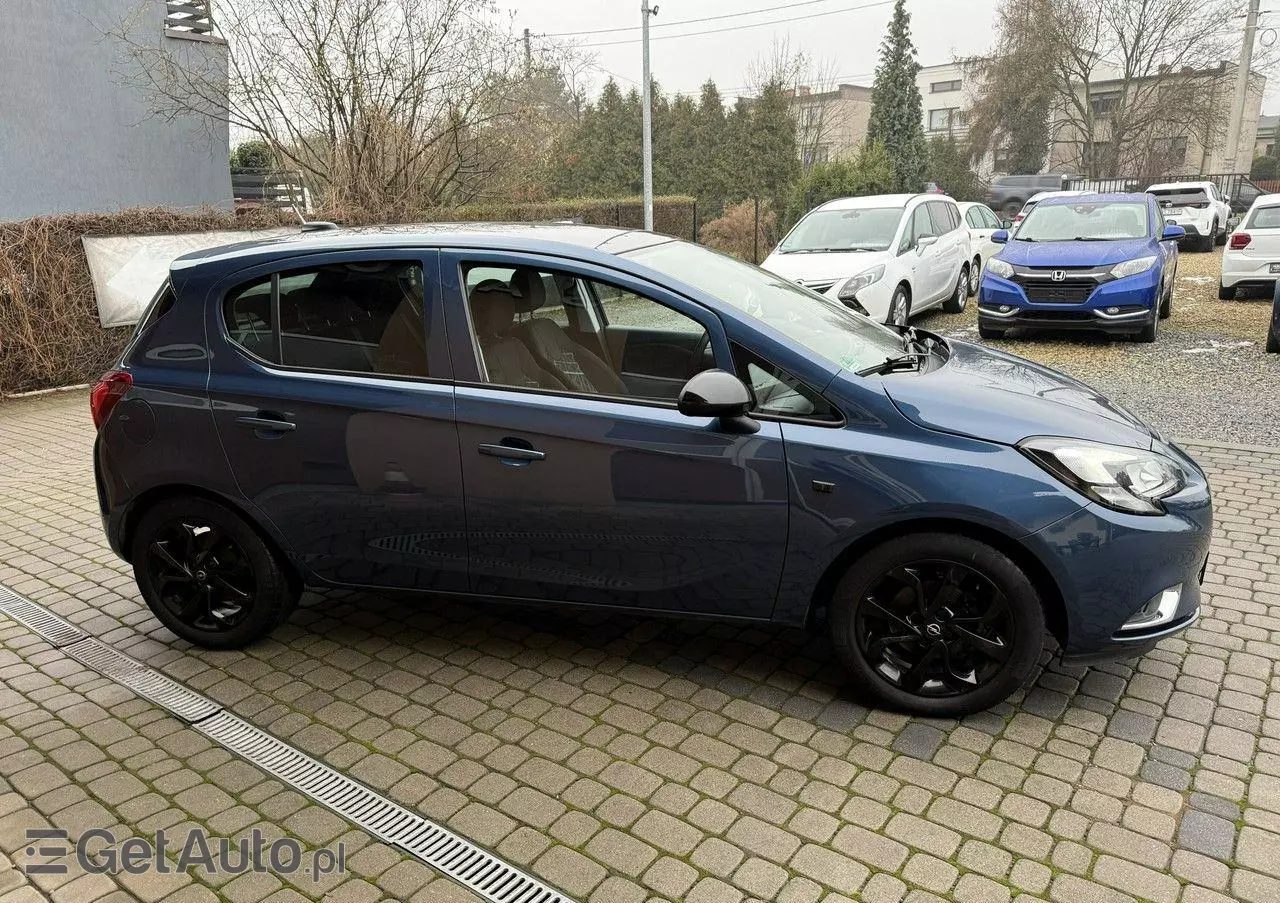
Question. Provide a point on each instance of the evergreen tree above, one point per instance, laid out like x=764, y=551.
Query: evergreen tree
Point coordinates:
x=772, y=162
x=896, y=107
x=707, y=178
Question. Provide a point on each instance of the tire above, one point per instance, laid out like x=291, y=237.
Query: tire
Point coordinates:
x=899, y=308
x=1222, y=236
x=909, y=578
x=975, y=276
x=1225, y=293
x=987, y=332
x=215, y=565
x=1166, y=305
x=960, y=295
x=1273, y=341
x=1149, y=331
x=1206, y=243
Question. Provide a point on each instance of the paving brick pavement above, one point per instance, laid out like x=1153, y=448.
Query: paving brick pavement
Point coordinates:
x=627, y=759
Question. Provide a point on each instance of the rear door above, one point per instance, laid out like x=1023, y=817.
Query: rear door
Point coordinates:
x=331, y=395
x=923, y=258
x=952, y=247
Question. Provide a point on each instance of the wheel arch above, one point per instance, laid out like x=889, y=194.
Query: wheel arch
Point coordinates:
x=1055, y=612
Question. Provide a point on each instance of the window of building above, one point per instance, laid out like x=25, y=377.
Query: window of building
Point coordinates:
x=811, y=116
x=819, y=153
x=347, y=318
x=1170, y=151
x=1001, y=159
x=1104, y=104
x=190, y=19
x=944, y=87
x=945, y=119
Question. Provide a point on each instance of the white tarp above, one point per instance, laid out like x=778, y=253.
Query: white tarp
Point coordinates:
x=127, y=270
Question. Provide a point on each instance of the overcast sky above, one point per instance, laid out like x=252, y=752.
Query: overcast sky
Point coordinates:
x=835, y=32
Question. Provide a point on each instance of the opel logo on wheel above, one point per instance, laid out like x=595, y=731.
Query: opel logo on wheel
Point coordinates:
x=1059, y=275
x=934, y=630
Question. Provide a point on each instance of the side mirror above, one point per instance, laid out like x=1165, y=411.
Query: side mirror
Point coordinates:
x=718, y=393
x=925, y=241
x=1006, y=224
x=1173, y=233
x=1000, y=236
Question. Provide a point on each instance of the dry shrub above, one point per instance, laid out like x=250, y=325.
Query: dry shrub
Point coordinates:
x=740, y=233
x=49, y=329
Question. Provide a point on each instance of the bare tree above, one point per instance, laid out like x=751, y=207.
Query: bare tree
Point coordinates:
x=383, y=105
x=819, y=110
x=1129, y=83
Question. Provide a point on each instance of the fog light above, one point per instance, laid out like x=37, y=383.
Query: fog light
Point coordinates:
x=1113, y=310
x=1159, y=609
x=1005, y=308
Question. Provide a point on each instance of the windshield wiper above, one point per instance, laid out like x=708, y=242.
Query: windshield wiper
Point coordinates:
x=890, y=364
x=1094, y=238
x=1021, y=238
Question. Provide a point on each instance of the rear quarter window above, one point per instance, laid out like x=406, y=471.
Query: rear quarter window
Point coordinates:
x=1264, y=218
x=160, y=305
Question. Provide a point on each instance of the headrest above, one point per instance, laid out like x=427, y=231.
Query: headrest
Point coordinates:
x=493, y=307
x=533, y=292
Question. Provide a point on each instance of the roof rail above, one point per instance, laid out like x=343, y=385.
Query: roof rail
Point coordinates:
x=318, y=226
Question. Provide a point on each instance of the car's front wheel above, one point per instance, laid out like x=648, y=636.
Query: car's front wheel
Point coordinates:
x=899, y=308
x=987, y=332
x=960, y=294
x=1273, y=341
x=208, y=575
x=1150, y=330
x=937, y=624
x=975, y=276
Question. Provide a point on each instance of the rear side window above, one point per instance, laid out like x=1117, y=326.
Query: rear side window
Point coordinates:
x=160, y=305
x=1264, y=218
x=362, y=317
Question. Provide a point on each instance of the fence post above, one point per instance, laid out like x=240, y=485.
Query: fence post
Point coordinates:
x=695, y=221
x=617, y=213
x=755, y=236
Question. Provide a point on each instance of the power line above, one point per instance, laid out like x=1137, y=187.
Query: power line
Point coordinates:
x=746, y=12
x=692, y=34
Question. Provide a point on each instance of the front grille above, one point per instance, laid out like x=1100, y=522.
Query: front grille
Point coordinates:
x=1056, y=316
x=817, y=285
x=1067, y=292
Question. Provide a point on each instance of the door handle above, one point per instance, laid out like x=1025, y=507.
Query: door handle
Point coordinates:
x=268, y=424
x=512, y=452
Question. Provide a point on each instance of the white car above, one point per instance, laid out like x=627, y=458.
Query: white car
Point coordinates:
x=1197, y=207
x=888, y=256
x=1037, y=198
x=982, y=223
x=1251, y=258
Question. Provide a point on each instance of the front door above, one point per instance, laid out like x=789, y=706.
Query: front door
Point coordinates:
x=583, y=482
x=331, y=394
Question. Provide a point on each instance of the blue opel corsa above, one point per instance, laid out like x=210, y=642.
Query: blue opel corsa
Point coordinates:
x=577, y=416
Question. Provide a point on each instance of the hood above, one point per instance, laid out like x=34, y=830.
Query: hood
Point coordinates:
x=998, y=397
x=1073, y=253
x=824, y=266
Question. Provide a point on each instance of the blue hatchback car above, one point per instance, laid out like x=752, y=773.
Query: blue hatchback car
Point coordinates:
x=571, y=415
x=1099, y=262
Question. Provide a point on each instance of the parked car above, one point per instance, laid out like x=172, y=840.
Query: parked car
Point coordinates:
x=887, y=256
x=1251, y=259
x=1198, y=208
x=982, y=224
x=1008, y=193
x=1102, y=262
x=573, y=415
x=1044, y=195
x=1273, y=331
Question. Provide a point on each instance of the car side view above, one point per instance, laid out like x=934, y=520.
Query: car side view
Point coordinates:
x=579, y=416
x=1104, y=262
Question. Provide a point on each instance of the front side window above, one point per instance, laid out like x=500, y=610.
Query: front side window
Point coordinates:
x=820, y=325
x=1087, y=221
x=551, y=330
x=991, y=221
x=364, y=317
x=859, y=229
x=945, y=217
x=973, y=218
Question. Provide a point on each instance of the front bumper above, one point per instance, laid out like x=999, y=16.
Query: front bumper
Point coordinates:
x=1121, y=306
x=1109, y=564
x=874, y=299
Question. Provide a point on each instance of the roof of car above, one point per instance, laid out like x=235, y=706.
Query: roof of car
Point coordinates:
x=880, y=200
x=512, y=236
x=1042, y=195
x=1266, y=200
x=1141, y=197
x=1165, y=186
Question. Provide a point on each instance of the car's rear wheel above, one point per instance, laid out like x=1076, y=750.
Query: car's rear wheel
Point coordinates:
x=937, y=624
x=1226, y=293
x=1273, y=341
x=899, y=308
x=208, y=575
x=975, y=276
x=960, y=294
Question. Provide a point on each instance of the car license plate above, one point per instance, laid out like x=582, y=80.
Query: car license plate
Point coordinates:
x=1275, y=267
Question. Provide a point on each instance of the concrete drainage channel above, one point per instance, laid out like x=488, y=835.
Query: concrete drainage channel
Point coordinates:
x=474, y=868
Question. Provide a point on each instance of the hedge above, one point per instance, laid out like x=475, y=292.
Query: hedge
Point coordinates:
x=49, y=330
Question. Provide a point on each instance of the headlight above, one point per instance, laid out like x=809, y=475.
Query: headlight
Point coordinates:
x=1125, y=479
x=1133, y=267
x=999, y=268
x=857, y=283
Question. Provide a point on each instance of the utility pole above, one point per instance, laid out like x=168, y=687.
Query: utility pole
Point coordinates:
x=647, y=116
x=1242, y=86
x=528, y=55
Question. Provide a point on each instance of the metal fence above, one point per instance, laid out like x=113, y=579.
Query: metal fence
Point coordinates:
x=263, y=188
x=189, y=18
x=1236, y=187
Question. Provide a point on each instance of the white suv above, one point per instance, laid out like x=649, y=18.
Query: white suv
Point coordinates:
x=887, y=256
x=1196, y=207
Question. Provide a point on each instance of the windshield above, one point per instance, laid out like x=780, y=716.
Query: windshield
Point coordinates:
x=863, y=229
x=1089, y=220
x=820, y=324
x=1181, y=197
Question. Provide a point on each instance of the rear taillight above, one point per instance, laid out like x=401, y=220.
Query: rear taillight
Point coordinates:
x=1240, y=240
x=108, y=390
x=1018, y=218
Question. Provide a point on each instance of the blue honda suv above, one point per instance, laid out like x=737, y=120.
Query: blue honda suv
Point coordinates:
x=1100, y=262
x=576, y=416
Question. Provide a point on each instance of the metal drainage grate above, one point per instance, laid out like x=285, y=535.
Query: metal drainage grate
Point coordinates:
x=460, y=859
x=476, y=869
x=40, y=619
x=147, y=683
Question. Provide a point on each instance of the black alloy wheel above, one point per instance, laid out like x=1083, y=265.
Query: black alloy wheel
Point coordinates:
x=200, y=574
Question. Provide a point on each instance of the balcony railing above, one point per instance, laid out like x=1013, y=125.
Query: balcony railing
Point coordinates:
x=189, y=19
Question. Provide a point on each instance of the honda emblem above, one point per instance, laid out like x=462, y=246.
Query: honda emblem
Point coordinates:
x=1059, y=275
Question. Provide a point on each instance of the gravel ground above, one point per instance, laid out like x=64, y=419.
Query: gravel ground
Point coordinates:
x=1206, y=377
